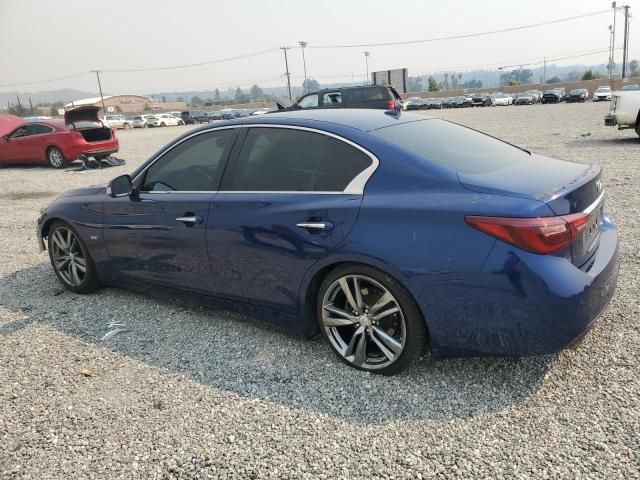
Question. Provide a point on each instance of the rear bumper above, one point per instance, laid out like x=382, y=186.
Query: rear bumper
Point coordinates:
x=91, y=149
x=521, y=304
x=610, y=120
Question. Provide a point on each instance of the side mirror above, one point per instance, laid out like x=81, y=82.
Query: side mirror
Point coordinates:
x=121, y=186
x=5, y=137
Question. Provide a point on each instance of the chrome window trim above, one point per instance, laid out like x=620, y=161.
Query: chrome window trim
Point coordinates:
x=355, y=186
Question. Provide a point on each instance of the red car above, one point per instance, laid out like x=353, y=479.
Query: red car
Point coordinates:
x=56, y=142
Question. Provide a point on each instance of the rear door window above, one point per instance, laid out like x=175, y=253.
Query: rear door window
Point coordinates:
x=287, y=160
x=331, y=99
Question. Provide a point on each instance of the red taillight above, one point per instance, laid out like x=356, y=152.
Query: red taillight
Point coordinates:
x=538, y=235
x=391, y=105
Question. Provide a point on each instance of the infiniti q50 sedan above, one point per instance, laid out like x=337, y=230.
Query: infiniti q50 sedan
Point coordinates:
x=388, y=232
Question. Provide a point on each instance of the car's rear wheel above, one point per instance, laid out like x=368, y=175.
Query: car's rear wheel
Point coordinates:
x=370, y=320
x=162, y=124
x=70, y=259
x=55, y=158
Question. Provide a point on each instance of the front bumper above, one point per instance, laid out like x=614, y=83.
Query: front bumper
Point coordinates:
x=521, y=303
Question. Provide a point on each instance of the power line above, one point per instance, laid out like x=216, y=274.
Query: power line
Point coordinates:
x=468, y=35
x=44, y=81
x=189, y=65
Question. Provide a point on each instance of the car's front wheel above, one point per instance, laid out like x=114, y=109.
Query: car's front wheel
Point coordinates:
x=56, y=158
x=70, y=259
x=370, y=320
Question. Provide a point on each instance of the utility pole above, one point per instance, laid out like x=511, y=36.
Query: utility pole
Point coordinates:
x=610, y=65
x=286, y=65
x=304, y=64
x=625, y=45
x=613, y=38
x=366, y=59
x=97, y=72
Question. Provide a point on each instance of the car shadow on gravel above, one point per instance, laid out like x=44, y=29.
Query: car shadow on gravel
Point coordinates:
x=231, y=352
x=615, y=142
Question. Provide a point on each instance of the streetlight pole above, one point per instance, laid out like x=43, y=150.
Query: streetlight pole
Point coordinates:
x=366, y=60
x=304, y=64
x=613, y=38
x=97, y=72
x=286, y=64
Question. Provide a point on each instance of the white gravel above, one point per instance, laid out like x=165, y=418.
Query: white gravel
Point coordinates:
x=187, y=392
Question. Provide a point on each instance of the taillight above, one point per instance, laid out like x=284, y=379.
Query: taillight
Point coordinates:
x=541, y=235
x=391, y=105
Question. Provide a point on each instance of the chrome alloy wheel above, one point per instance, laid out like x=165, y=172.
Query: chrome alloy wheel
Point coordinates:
x=68, y=258
x=55, y=158
x=364, y=322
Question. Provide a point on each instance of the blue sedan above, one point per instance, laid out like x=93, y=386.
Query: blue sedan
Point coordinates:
x=388, y=233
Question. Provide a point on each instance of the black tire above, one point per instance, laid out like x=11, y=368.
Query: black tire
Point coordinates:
x=55, y=158
x=415, y=331
x=89, y=281
x=162, y=124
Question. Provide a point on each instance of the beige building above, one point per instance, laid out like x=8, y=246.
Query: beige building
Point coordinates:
x=127, y=104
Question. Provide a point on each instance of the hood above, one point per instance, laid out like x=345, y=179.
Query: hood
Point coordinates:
x=80, y=192
x=9, y=122
x=87, y=113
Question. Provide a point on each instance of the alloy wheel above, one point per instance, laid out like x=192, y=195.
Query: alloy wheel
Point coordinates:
x=55, y=158
x=364, y=322
x=68, y=257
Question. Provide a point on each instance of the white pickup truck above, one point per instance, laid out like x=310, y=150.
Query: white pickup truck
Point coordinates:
x=624, y=111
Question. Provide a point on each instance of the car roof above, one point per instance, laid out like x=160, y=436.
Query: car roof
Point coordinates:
x=360, y=119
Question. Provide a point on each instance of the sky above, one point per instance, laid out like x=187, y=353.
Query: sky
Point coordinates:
x=45, y=40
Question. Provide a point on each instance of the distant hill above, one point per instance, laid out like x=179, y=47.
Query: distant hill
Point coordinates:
x=65, y=95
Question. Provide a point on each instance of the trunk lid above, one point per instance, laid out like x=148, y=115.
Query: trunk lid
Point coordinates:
x=566, y=187
x=88, y=113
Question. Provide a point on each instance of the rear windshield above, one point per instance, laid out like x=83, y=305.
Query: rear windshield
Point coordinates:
x=366, y=94
x=453, y=146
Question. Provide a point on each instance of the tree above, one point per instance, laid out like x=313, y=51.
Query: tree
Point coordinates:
x=433, y=85
x=256, y=93
x=216, y=96
x=454, y=81
x=588, y=75
x=239, y=96
x=118, y=109
x=471, y=84
x=196, y=100
x=512, y=82
x=634, y=70
x=310, y=85
x=554, y=79
x=146, y=107
x=445, y=82
x=521, y=76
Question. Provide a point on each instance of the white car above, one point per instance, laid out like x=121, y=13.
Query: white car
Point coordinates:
x=260, y=111
x=163, y=120
x=117, y=121
x=624, y=111
x=140, y=121
x=503, y=99
x=602, y=94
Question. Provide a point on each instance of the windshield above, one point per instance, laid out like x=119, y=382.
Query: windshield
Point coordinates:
x=453, y=146
x=603, y=89
x=500, y=95
x=575, y=92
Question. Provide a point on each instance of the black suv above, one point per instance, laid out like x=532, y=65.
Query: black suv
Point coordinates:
x=366, y=96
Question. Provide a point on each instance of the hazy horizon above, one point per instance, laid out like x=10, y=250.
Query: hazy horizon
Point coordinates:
x=140, y=35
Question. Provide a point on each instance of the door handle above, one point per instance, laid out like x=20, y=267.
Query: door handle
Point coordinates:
x=316, y=226
x=190, y=221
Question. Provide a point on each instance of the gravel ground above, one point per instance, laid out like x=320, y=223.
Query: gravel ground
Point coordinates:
x=187, y=392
